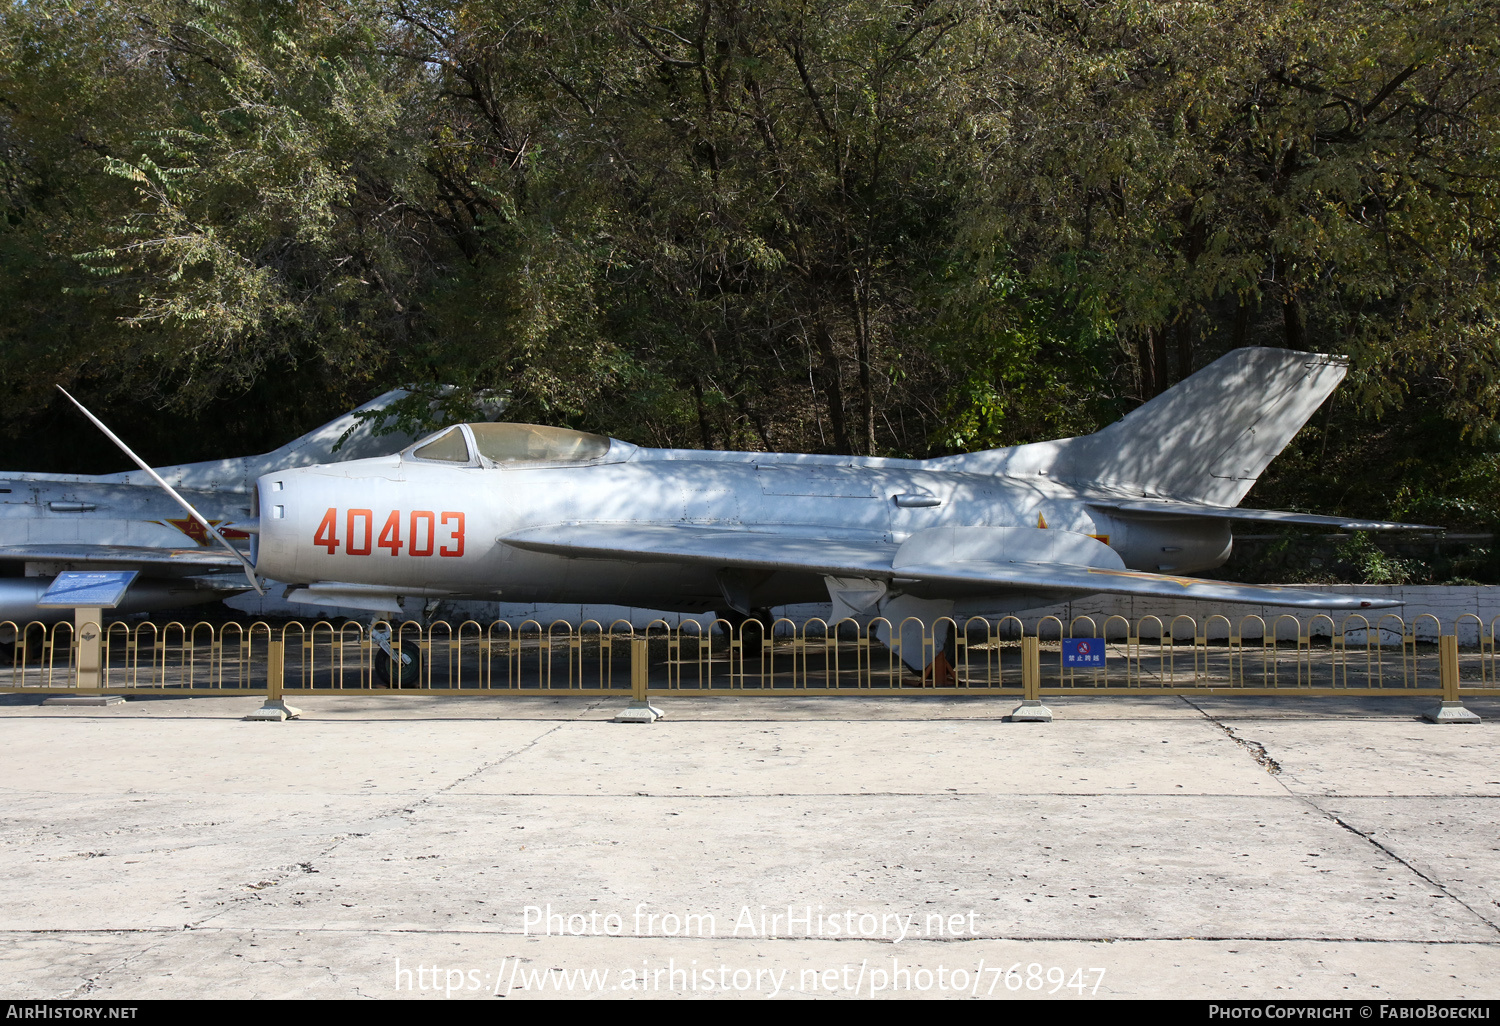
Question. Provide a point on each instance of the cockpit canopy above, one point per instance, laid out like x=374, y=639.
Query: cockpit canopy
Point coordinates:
x=512, y=443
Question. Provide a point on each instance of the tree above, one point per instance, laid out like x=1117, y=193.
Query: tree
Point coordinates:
x=1313, y=176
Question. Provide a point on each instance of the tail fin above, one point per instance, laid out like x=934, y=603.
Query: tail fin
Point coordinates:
x=347, y=437
x=317, y=446
x=1206, y=439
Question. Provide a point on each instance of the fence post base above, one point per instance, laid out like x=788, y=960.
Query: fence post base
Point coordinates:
x=1450, y=712
x=275, y=710
x=640, y=709
x=1451, y=708
x=1031, y=710
x=639, y=712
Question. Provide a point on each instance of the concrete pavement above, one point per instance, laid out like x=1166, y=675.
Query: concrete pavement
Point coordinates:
x=414, y=846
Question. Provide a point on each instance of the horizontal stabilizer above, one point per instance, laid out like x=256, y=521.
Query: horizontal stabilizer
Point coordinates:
x=1166, y=508
x=1091, y=580
x=876, y=559
x=146, y=554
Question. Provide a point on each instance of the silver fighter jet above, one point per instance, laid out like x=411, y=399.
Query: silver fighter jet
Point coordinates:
x=534, y=514
x=55, y=522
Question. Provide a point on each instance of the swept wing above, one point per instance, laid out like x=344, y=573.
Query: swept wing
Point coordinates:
x=879, y=559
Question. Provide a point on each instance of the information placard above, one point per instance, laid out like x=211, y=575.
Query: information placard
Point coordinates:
x=102, y=589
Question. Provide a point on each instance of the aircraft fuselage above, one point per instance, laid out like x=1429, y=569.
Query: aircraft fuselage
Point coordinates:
x=420, y=528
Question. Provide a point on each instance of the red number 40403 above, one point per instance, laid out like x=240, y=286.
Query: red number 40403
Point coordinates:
x=422, y=538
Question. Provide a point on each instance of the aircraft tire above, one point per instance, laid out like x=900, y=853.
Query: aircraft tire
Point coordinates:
x=731, y=622
x=408, y=674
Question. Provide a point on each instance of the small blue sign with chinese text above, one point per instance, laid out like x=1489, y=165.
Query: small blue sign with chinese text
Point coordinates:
x=1083, y=652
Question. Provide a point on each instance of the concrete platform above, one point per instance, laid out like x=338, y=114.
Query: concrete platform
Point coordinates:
x=411, y=846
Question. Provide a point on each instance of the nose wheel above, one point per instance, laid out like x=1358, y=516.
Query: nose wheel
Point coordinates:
x=401, y=667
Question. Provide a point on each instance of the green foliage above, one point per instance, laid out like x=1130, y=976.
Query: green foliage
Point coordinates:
x=1027, y=364
x=1301, y=558
x=805, y=225
x=1373, y=566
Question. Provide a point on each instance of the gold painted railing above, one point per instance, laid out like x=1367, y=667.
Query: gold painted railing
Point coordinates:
x=1384, y=656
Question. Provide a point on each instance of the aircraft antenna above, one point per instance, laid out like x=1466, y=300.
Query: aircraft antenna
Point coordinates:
x=249, y=567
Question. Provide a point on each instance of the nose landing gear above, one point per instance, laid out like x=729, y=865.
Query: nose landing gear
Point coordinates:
x=398, y=664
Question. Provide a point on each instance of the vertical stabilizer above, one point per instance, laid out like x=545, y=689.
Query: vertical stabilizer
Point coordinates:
x=1211, y=435
x=317, y=446
x=1206, y=439
x=349, y=437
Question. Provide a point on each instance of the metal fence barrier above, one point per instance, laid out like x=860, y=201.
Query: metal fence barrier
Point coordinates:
x=1256, y=656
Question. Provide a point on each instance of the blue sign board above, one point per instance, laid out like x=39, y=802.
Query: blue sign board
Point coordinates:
x=1083, y=652
x=102, y=589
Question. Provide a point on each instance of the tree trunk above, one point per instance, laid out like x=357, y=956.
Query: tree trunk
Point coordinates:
x=1146, y=357
x=1241, y=323
x=866, y=393
x=833, y=384
x=1291, y=314
x=754, y=420
x=1159, y=359
x=702, y=414
x=1184, y=330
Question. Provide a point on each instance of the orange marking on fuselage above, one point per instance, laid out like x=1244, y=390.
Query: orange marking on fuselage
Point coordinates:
x=1186, y=582
x=195, y=531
